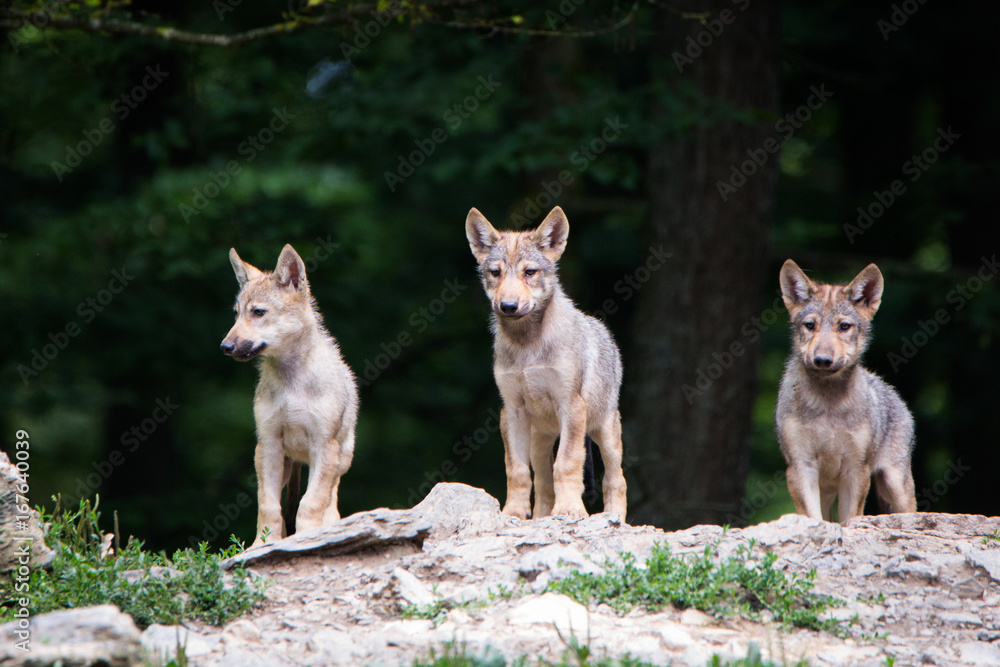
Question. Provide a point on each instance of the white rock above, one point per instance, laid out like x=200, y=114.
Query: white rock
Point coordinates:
x=979, y=653
x=961, y=618
x=696, y=617
x=451, y=508
x=462, y=594
x=459, y=617
x=644, y=647
x=243, y=630
x=568, y=616
x=88, y=635
x=559, y=559
x=674, y=636
x=412, y=589
x=163, y=641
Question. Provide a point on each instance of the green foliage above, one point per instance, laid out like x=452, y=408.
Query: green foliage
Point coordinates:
x=752, y=659
x=742, y=585
x=150, y=587
x=434, y=611
x=576, y=654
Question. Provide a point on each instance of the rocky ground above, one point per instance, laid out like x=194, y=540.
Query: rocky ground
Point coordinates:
x=922, y=588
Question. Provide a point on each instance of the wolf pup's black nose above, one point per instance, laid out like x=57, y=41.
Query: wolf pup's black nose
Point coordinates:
x=508, y=307
x=227, y=347
x=823, y=362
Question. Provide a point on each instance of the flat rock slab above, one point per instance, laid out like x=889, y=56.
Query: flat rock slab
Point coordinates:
x=364, y=530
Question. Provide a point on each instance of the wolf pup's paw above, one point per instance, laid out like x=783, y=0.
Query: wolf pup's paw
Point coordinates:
x=516, y=511
x=570, y=510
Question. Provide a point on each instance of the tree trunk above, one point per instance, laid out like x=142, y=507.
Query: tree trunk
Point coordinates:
x=693, y=377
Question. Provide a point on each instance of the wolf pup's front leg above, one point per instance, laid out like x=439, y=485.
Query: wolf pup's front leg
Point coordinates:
x=516, y=431
x=269, y=463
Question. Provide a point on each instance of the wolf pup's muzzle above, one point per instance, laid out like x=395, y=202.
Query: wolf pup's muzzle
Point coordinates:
x=242, y=351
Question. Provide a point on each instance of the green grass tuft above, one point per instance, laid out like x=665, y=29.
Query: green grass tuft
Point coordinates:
x=193, y=587
x=574, y=655
x=743, y=585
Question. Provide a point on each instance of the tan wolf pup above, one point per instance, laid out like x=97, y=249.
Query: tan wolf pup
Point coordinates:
x=838, y=424
x=306, y=403
x=558, y=371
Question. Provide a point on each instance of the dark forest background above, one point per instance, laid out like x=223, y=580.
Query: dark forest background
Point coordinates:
x=117, y=288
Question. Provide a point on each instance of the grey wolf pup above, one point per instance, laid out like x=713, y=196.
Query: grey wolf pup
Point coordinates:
x=837, y=423
x=306, y=403
x=558, y=371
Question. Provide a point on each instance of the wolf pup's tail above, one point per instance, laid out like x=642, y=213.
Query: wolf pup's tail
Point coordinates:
x=292, y=498
x=589, y=486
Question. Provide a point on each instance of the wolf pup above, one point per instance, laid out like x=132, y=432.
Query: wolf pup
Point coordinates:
x=306, y=403
x=558, y=371
x=837, y=423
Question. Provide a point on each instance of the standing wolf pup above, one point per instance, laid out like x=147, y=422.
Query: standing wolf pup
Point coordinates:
x=839, y=424
x=306, y=403
x=558, y=371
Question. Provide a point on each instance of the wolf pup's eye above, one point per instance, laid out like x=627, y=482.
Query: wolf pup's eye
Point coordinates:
x=844, y=326
x=810, y=326
x=495, y=273
x=258, y=312
x=530, y=272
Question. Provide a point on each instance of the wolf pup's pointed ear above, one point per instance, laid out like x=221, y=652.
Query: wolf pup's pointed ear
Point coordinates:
x=552, y=234
x=796, y=288
x=291, y=270
x=244, y=272
x=480, y=233
x=866, y=289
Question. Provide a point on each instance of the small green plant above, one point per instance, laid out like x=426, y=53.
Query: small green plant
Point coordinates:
x=435, y=611
x=992, y=540
x=743, y=585
x=575, y=655
x=150, y=587
x=871, y=598
x=457, y=655
x=752, y=659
